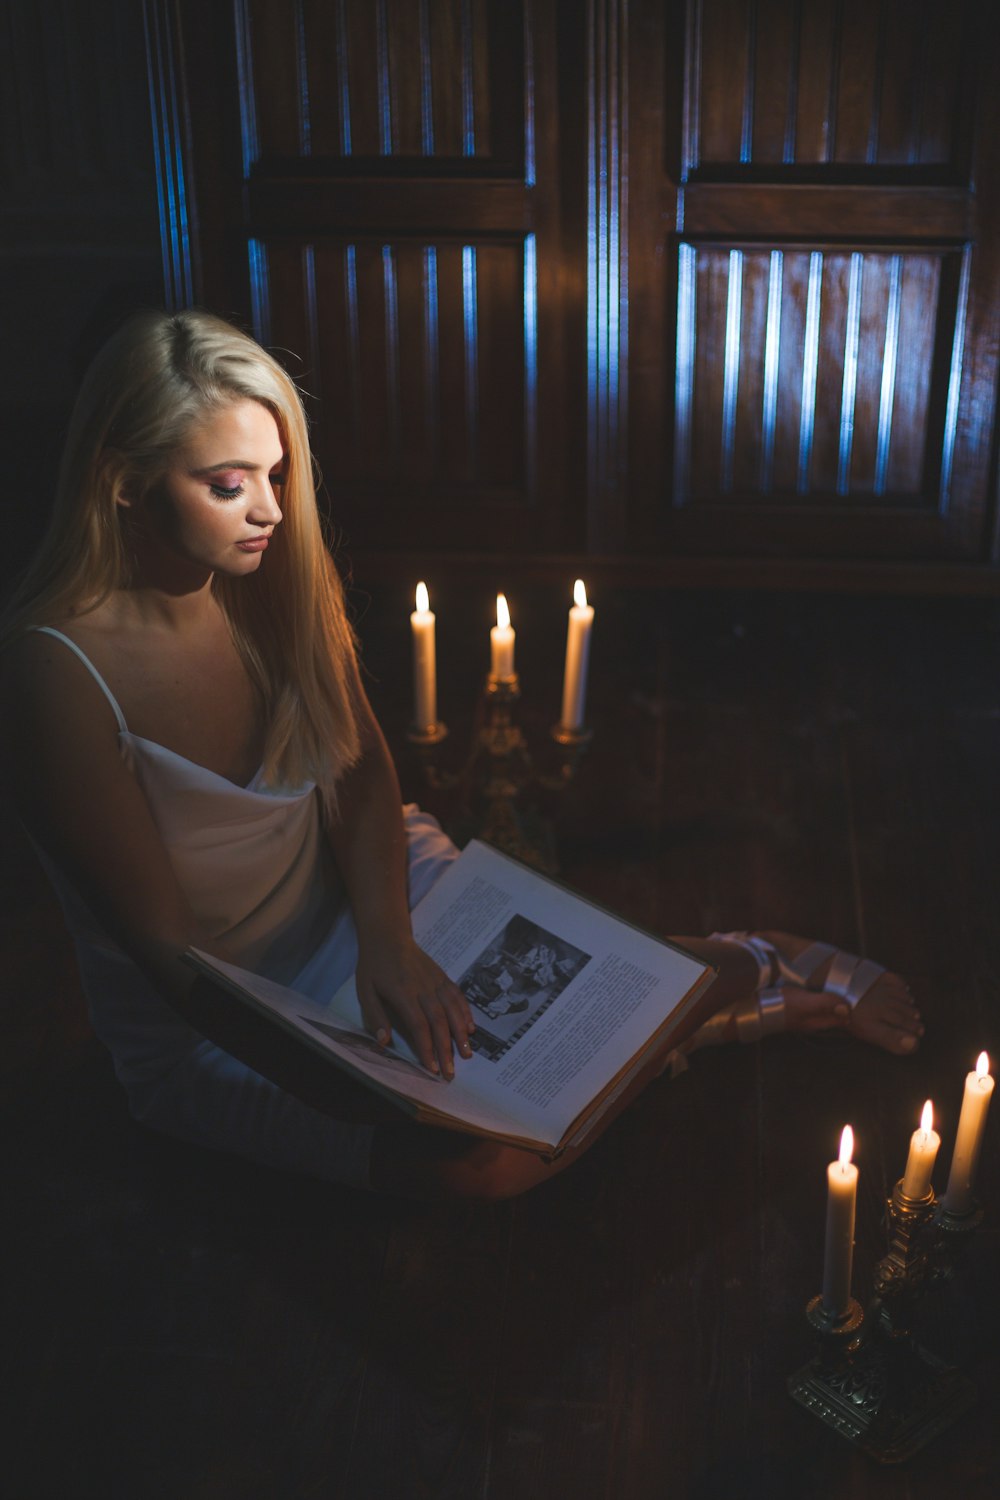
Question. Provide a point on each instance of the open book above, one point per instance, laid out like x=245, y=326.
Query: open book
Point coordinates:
x=569, y=1003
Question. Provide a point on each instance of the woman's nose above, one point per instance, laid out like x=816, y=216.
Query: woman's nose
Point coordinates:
x=264, y=508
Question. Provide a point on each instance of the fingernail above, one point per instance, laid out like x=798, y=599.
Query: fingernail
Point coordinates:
x=908, y=1043
x=382, y=1037
x=842, y=1010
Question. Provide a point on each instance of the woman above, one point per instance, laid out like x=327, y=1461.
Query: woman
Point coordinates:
x=192, y=751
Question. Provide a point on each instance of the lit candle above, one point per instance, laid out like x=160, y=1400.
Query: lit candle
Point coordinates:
x=841, y=1195
x=424, y=662
x=972, y=1122
x=502, y=642
x=924, y=1145
x=581, y=619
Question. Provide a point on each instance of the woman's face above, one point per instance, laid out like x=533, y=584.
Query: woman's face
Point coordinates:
x=215, y=506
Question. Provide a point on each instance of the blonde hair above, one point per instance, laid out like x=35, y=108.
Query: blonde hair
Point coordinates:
x=159, y=374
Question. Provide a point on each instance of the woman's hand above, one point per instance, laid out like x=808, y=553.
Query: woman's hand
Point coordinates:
x=398, y=983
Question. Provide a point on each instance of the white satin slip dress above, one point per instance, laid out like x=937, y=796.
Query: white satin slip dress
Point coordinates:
x=258, y=873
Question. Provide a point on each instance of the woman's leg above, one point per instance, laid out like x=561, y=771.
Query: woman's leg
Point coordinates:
x=418, y=1162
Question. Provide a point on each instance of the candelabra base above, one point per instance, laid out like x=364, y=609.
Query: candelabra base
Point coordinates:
x=889, y=1402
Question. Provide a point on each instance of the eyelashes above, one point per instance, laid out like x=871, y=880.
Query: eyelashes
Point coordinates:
x=224, y=492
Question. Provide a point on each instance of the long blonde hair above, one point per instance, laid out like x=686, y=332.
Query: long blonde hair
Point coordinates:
x=159, y=374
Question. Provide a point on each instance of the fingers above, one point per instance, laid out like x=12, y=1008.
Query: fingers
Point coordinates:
x=428, y=1007
x=448, y=1017
x=373, y=1014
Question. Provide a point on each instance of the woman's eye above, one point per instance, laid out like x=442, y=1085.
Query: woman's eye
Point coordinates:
x=223, y=493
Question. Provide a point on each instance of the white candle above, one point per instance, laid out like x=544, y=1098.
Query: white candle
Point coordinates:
x=424, y=662
x=924, y=1145
x=581, y=620
x=958, y=1197
x=841, y=1196
x=502, y=642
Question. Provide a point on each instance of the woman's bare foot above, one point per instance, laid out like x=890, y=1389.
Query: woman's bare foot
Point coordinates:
x=885, y=1015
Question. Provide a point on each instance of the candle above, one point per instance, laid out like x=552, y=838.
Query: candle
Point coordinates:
x=424, y=662
x=502, y=642
x=841, y=1195
x=581, y=619
x=958, y=1197
x=924, y=1145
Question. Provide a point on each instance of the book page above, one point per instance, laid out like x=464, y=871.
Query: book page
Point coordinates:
x=563, y=993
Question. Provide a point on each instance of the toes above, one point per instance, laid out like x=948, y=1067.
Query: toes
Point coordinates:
x=899, y=1035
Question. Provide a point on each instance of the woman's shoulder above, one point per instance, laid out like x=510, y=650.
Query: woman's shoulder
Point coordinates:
x=41, y=672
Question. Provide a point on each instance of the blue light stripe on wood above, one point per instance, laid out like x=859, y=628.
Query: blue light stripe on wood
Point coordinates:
x=731, y=376
x=354, y=337
x=432, y=362
x=810, y=365
x=954, y=382
x=471, y=323
x=888, y=388
x=385, y=121
x=343, y=74
x=772, y=350
x=391, y=295
x=684, y=374
x=850, y=382
x=530, y=358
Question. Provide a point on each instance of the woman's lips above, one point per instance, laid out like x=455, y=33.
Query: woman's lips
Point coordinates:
x=253, y=544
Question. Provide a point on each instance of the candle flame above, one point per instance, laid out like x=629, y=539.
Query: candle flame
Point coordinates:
x=579, y=594
x=846, y=1145
x=503, y=613
x=983, y=1065
x=423, y=602
x=927, y=1117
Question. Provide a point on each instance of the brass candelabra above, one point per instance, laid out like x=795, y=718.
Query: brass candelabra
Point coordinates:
x=870, y=1379
x=501, y=789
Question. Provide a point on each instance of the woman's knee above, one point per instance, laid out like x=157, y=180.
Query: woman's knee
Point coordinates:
x=433, y=1164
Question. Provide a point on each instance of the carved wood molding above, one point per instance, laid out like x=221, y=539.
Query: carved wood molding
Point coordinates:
x=607, y=271
x=168, y=119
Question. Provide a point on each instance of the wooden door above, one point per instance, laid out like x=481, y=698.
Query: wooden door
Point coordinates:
x=378, y=190
x=813, y=255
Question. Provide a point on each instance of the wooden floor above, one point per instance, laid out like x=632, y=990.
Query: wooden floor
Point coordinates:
x=185, y=1327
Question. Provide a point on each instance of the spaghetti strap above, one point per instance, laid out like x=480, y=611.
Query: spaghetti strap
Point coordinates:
x=48, y=630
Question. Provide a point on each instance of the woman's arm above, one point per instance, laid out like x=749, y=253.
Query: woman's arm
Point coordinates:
x=397, y=981
x=79, y=801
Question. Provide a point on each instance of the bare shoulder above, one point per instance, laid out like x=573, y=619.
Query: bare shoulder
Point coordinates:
x=42, y=679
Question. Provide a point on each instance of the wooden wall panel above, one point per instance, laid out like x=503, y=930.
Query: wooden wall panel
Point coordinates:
x=359, y=80
x=420, y=378
x=899, y=102
x=850, y=83
x=816, y=374
x=722, y=39
x=857, y=67
x=776, y=36
x=378, y=186
x=694, y=276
